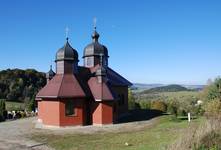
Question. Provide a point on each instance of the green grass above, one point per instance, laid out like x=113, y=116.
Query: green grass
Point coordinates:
x=14, y=106
x=156, y=137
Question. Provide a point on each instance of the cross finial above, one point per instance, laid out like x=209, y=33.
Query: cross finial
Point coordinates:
x=66, y=32
x=95, y=23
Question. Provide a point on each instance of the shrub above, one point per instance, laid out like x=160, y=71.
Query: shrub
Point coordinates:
x=144, y=104
x=137, y=106
x=213, y=109
x=172, y=108
x=159, y=105
x=181, y=112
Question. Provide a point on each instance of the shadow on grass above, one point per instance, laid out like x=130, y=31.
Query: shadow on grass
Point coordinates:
x=140, y=115
x=186, y=118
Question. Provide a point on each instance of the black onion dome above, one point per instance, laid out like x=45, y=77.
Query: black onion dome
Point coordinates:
x=50, y=73
x=67, y=53
x=95, y=48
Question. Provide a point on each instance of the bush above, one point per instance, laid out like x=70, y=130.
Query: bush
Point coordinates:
x=137, y=106
x=144, y=104
x=159, y=105
x=213, y=109
x=172, y=108
x=181, y=112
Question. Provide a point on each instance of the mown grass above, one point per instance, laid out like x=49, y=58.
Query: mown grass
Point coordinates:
x=156, y=137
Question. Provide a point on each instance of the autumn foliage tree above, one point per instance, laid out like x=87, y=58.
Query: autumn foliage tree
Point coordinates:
x=159, y=105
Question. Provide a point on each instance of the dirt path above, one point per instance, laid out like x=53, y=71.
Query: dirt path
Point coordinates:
x=15, y=135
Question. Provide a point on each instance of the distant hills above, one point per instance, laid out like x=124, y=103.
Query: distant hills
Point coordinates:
x=142, y=87
x=168, y=88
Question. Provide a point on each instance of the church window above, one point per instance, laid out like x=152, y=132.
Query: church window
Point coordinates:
x=121, y=100
x=69, y=108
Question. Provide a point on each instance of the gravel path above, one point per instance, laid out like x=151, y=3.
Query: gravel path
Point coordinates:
x=14, y=135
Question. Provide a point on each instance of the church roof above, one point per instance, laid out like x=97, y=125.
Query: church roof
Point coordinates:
x=95, y=48
x=113, y=77
x=85, y=81
x=50, y=73
x=62, y=86
x=116, y=79
x=100, y=91
x=67, y=53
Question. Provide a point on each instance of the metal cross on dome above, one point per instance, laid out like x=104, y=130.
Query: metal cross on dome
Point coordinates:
x=66, y=32
x=95, y=22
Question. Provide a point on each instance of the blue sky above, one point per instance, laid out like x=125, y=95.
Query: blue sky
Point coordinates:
x=149, y=41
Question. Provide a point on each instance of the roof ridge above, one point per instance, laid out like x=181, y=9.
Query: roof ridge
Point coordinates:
x=60, y=84
x=73, y=77
x=119, y=75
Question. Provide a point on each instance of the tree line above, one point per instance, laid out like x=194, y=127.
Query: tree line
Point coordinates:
x=20, y=85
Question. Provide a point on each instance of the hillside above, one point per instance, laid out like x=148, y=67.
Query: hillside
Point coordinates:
x=142, y=86
x=20, y=85
x=168, y=88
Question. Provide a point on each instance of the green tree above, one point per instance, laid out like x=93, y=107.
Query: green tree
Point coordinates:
x=2, y=110
x=31, y=105
x=172, y=108
x=131, y=100
x=18, y=85
x=212, y=91
x=145, y=104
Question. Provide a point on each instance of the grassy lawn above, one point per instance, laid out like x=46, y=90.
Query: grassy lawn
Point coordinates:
x=14, y=106
x=155, y=137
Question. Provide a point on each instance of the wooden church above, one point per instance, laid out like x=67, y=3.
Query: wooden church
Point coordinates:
x=92, y=94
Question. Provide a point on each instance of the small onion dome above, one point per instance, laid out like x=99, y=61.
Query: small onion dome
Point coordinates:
x=101, y=71
x=95, y=48
x=50, y=74
x=67, y=53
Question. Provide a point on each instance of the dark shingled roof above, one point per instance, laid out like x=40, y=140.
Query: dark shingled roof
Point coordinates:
x=50, y=73
x=95, y=48
x=62, y=86
x=67, y=53
x=113, y=77
x=116, y=79
x=100, y=91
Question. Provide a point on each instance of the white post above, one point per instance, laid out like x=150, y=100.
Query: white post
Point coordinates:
x=188, y=117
